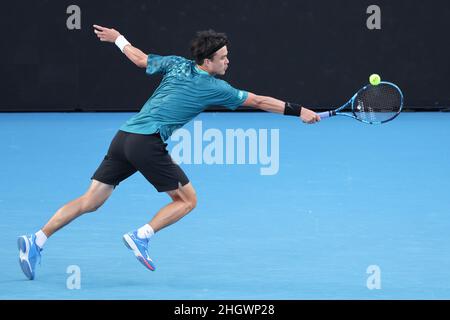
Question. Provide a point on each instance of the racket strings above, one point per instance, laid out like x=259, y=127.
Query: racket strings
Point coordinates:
x=377, y=103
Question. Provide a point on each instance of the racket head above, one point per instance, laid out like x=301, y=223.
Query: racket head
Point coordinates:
x=377, y=104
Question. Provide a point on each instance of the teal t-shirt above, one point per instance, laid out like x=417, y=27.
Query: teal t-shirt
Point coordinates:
x=184, y=92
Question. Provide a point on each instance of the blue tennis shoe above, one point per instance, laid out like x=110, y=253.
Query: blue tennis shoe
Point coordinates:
x=29, y=255
x=140, y=249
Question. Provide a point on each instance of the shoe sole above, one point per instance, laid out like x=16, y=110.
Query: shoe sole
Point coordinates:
x=24, y=250
x=129, y=243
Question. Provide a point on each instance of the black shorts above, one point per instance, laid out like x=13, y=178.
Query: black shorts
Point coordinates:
x=146, y=153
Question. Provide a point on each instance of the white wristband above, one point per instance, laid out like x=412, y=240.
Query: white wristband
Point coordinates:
x=121, y=42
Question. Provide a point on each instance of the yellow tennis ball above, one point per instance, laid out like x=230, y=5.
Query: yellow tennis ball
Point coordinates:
x=374, y=79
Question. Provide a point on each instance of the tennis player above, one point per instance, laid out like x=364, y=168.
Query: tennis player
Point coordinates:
x=187, y=88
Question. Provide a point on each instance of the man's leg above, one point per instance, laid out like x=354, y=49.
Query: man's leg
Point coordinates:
x=93, y=199
x=184, y=200
x=31, y=246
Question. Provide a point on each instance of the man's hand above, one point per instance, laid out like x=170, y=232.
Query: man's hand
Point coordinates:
x=309, y=116
x=106, y=34
x=134, y=54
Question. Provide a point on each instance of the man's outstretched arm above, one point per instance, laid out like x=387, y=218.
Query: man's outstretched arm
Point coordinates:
x=277, y=106
x=110, y=35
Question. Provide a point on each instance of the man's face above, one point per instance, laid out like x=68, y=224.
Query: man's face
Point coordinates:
x=219, y=63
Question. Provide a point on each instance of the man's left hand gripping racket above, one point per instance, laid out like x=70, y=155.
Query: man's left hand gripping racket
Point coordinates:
x=372, y=104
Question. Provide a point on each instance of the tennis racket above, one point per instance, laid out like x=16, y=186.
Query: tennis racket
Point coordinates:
x=371, y=104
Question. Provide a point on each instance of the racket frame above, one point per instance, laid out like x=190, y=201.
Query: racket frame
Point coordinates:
x=351, y=102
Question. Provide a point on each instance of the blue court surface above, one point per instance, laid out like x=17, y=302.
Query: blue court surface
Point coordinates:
x=345, y=210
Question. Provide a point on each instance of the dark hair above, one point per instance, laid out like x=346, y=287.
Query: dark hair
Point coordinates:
x=206, y=43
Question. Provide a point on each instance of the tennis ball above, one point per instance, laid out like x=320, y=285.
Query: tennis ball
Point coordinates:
x=374, y=79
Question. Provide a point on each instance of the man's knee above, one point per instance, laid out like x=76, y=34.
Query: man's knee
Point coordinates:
x=185, y=195
x=96, y=196
x=90, y=203
x=191, y=202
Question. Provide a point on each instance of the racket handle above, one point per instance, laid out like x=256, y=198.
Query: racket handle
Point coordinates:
x=325, y=114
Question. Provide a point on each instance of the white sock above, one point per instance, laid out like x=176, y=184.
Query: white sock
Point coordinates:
x=40, y=238
x=145, y=232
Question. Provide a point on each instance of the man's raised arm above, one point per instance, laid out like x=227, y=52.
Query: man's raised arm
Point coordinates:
x=277, y=106
x=110, y=35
